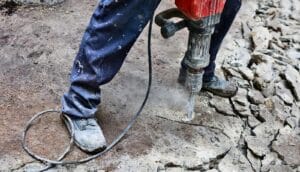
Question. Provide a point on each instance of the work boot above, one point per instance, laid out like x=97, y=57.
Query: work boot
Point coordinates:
x=220, y=87
x=88, y=135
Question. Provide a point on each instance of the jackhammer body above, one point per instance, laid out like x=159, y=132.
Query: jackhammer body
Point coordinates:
x=200, y=17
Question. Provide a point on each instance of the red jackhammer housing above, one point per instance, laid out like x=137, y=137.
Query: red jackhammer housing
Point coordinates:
x=198, y=9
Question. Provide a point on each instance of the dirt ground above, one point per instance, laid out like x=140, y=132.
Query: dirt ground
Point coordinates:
x=38, y=45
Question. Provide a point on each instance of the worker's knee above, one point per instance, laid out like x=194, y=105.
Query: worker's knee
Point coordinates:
x=233, y=5
x=236, y=5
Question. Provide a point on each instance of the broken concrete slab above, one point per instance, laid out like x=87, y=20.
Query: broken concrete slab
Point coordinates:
x=261, y=37
x=258, y=145
x=222, y=105
x=293, y=78
x=281, y=168
x=254, y=161
x=258, y=57
x=256, y=97
x=267, y=130
x=284, y=93
x=287, y=146
x=240, y=103
x=270, y=160
x=264, y=71
x=280, y=110
x=246, y=73
x=252, y=121
x=234, y=161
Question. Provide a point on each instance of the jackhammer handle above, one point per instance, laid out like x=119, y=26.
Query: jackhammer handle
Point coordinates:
x=169, y=28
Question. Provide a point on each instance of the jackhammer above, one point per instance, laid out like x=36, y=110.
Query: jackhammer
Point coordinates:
x=200, y=18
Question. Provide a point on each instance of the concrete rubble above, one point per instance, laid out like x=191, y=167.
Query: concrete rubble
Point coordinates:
x=257, y=130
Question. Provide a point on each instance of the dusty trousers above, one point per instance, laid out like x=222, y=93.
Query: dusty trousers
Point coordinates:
x=113, y=29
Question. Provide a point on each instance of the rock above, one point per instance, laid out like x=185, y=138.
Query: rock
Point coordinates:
x=240, y=103
x=276, y=48
x=243, y=111
x=237, y=57
x=40, y=2
x=234, y=161
x=287, y=145
x=264, y=114
x=292, y=122
x=258, y=145
x=243, y=43
x=275, y=24
x=174, y=169
x=212, y=170
x=222, y=106
x=246, y=73
x=269, y=160
x=255, y=97
x=259, y=83
x=293, y=53
x=258, y=57
x=284, y=93
x=255, y=110
x=281, y=168
x=246, y=31
x=261, y=37
x=241, y=97
x=268, y=90
x=254, y=161
x=285, y=8
x=279, y=110
x=252, y=121
x=293, y=78
x=264, y=71
x=295, y=112
x=268, y=130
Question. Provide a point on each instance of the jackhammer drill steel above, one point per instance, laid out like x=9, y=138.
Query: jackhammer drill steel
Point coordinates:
x=193, y=81
x=197, y=56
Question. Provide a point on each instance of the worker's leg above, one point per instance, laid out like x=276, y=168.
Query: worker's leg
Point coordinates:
x=113, y=29
x=211, y=82
x=231, y=9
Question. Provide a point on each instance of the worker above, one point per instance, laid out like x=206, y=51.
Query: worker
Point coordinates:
x=113, y=29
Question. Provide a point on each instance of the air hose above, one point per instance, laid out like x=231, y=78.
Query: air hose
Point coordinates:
x=59, y=161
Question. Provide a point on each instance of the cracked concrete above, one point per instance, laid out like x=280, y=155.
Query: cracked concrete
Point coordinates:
x=257, y=130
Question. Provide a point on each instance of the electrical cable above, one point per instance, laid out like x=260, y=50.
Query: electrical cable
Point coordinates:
x=59, y=161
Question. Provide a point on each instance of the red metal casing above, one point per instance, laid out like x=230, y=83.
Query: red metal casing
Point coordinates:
x=198, y=9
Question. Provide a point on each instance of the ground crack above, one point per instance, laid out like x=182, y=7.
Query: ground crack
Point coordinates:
x=213, y=163
x=22, y=166
x=197, y=125
x=273, y=150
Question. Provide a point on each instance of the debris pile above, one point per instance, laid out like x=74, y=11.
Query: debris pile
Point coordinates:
x=266, y=64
